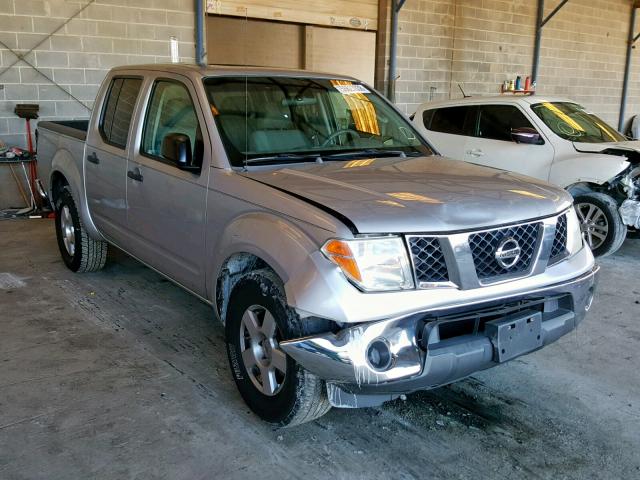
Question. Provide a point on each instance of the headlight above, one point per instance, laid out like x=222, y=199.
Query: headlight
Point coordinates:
x=574, y=233
x=373, y=264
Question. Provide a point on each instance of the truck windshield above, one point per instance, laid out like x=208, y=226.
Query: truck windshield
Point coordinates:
x=572, y=122
x=284, y=119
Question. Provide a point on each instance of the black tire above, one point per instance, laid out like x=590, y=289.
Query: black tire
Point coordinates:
x=302, y=396
x=616, y=230
x=88, y=255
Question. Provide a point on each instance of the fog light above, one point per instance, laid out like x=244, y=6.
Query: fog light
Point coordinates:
x=379, y=355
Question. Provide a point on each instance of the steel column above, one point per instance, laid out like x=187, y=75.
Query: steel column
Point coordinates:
x=396, y=5
x=200, y=53
x=541, y=21
x=627, y=66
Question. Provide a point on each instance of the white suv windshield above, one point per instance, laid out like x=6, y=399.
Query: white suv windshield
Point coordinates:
x=571, y=122
x=279, y=119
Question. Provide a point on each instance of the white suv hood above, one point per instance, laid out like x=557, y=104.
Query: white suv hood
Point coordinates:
x=633, y=145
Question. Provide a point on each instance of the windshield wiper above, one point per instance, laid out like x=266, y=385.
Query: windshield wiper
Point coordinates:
x=284, y=157
x=365, y=153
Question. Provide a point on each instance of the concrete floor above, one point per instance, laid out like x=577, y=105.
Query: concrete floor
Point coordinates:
x=120, y=374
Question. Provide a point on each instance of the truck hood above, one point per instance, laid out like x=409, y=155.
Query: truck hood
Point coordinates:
x=425, y=194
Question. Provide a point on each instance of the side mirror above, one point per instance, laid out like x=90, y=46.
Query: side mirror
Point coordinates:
x=176, y=147
x=526, y=135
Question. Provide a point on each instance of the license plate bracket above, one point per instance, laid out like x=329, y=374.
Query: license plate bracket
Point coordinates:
x=515, y=335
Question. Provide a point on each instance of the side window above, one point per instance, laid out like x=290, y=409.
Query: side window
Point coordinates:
x=427, y=116
x=170, y=110
x=496, y=121
x=118, y=110
x=453, y=120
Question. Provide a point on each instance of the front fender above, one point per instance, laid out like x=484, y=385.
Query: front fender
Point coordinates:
x=279, y=242
x=586, y=168
x=64, y=163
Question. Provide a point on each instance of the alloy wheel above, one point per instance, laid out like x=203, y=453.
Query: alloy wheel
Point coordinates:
x=68, y=230
x=264, y=361
x=593, y=224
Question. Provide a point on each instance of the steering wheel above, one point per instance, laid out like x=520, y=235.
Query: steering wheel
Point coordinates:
x=337, y=133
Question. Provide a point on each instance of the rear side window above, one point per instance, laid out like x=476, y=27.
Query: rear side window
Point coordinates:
x=497, y=121
x=118, y=110
x=453, y=120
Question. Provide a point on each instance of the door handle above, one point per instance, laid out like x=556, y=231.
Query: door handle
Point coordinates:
x=93, y=158
x=135, y=174
x=475, y=152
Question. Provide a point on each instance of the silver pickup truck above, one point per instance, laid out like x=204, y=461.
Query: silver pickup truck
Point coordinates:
x=349, y=263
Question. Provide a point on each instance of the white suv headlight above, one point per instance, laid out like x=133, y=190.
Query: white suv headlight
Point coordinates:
x=372, y=264
x=574, y=233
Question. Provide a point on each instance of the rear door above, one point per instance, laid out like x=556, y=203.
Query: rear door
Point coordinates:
x=493, y=146
x=106, y=157
x=448, y=128
x=166, y=205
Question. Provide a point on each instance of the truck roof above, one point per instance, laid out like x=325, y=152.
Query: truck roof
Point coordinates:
x=217, y=70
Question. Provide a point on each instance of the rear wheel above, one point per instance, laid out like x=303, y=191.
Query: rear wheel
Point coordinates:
x=600, y=222
x=272, y=384
x=80, y=252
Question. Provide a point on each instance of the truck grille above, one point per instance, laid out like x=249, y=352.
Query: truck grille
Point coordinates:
x=475, y=259
x=484, y=245
x=428, y=260
x=559, y=248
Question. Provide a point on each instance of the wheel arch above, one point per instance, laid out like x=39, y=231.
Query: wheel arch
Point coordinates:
x=580, y=188
x=258, y=240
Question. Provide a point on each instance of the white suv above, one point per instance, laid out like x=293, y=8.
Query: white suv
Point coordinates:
x=551, y=139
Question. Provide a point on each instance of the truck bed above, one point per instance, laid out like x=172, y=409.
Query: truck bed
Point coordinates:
x=61, y=142
x=72, y=128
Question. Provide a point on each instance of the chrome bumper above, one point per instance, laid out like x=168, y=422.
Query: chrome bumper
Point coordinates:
x=426, y=362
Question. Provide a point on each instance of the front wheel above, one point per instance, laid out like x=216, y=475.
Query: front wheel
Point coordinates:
x=272, y=384
x=80, y=252
x=600, y=222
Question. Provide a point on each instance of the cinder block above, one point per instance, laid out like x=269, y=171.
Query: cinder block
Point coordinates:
x=71, y=109
x=66, y=43
x=30, y=7
x=52, y=92
x=112, y=29
x=84, y=60
x=52, y=59
x=21, y=92
x=95, y=76
x=107, y=60
x=97, y=45
x=69, y=75
x=31, y=75
x=31, y=41
x=84, y=92
x=11, y=75
x=10, y=39
x=46, y=25
x=13, y=23
x=6, y=6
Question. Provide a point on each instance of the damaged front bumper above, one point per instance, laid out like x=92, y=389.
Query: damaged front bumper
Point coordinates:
x=374, y=362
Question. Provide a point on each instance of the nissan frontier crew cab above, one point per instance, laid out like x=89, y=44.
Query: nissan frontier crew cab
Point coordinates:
x=348, y=261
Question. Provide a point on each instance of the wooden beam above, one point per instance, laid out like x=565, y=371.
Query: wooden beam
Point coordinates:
x=355, y=14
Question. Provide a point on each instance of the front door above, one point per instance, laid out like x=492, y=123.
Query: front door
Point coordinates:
x=493, y=146
x=106, y=158
x=166, y=205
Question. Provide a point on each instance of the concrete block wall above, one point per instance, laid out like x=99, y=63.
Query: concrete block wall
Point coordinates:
x=480, y=43
x=105, y=34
